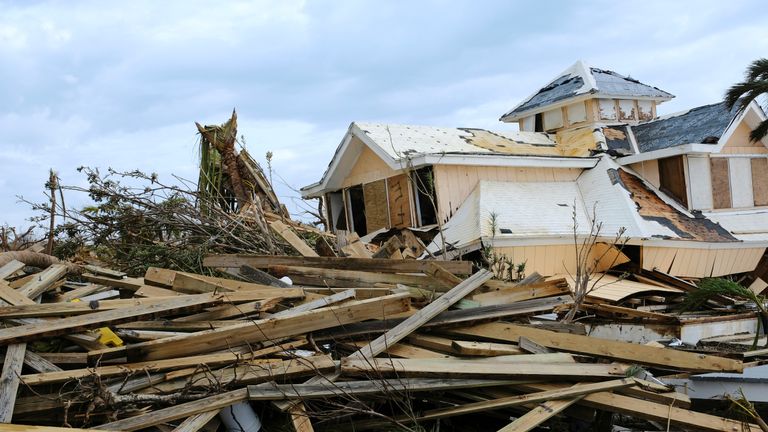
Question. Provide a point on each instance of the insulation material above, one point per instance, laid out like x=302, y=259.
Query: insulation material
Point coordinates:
x=721, y=183
x=760, y=181
x=741, y=182
x=376, y=209
x=399, y=194
x=577, y=113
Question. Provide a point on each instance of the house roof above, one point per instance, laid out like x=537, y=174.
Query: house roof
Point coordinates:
x=402, y=146
x=580, y=79
x=618, y=198
x=700, y=125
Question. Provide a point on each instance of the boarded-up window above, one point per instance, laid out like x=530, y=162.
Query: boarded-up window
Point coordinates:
x=376, y=209
x=626, y=109
x=399, y=201
x=607, y=109
x=760, y=181
x=721, y=183
x=672, y=178
x=527, y=125
x=577, y=113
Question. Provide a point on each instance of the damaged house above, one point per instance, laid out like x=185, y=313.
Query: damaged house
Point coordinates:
x=688, y=190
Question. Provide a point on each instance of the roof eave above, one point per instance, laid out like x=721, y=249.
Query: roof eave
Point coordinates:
x=513, y=116
x=693, y=148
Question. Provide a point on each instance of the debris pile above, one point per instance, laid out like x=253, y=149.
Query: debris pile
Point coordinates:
x=353, y=343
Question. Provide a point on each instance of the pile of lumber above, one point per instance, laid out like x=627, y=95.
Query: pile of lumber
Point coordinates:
x=335, y=343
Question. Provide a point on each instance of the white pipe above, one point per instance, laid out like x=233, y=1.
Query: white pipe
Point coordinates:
x=240, y=417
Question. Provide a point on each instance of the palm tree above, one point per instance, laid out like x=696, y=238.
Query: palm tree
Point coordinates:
x=742, y=94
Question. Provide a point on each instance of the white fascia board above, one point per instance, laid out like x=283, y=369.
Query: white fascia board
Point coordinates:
x=501, y=240
x=503, y=161
x=687, y=244
x=667, y=152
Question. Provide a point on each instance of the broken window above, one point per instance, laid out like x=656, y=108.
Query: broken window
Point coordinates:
x=672, y=178
x=356, y=205
x=539, y=123
x=426, y=202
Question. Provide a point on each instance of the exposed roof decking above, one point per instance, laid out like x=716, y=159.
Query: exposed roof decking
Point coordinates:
x=580, y=79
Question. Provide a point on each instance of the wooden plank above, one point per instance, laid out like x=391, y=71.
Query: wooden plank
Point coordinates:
x=532, y=347
x=177, y=412
x=131, y=284
x=99, y=319
x=13, y=297
x=34, y=428
x=373, y=386
x=160, y=277
x=629, y=312
x=295, y=241
x=189, y=283
x=520, y=294
x=152, y=291
x=721, y=183
x=104, y=271
x=39, y=363
x=376, y=209
x=10, y=268
x=195, y=422
x=539, y=415
x=80, y=292
x=352, y=278
x=9, y=380
x=447, y=368
x=632, y=353
x=400, y=331
x=339, y=263
x=355, y=247
x=760, y=181
x=299, y=419
x=399, y=196
x=43, y=281
x=485, y=349
x=392, y=245
x=266, y=329
x=316, y=304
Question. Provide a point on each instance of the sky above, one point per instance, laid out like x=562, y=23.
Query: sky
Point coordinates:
x=120, y=84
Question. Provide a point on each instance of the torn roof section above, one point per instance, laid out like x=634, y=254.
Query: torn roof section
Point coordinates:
x=700, y=125
x=580, y=79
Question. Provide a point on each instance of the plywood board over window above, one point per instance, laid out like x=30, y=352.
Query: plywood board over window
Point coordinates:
x=399, y=194
x=376, y=209
x=760, y=181
x=607, y=108
x=721, y=183
x=672, y=178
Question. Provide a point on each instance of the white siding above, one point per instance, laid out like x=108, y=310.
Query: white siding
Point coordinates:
x=701, y=183
x=607, y=109
x=577, y=113
x=528, y=124
x=741, y=182
x=553, y=119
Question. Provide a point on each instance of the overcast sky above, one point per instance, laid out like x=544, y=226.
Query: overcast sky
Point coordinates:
x=120, y=84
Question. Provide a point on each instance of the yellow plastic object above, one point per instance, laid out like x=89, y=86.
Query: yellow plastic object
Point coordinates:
x=109, y=338
x=106, y=335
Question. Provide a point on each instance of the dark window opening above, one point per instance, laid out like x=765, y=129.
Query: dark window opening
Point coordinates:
x=424, y=183
x=357, y=209
x=337, y=217
x=672, y=178
x=538, y=125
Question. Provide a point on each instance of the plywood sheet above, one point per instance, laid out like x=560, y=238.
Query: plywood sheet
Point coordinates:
x=376, y=209
x=614, y=289
x=760, y=181
x=399, y=193
x=721, y=183
x=672, y=174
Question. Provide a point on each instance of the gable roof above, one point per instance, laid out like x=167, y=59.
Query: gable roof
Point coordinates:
x=412, y=146
x=580, y=79
x=700, y=125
